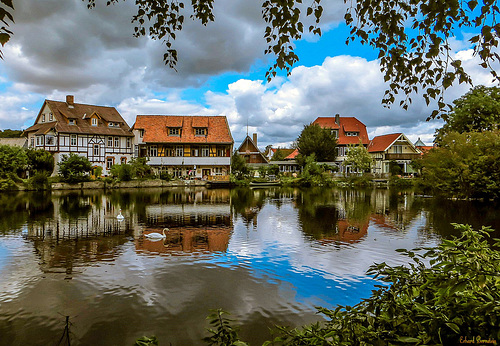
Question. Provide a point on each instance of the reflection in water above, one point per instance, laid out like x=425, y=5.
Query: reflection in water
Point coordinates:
x=267, y=255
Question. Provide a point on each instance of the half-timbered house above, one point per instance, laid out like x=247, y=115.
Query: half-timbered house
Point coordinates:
x=96, y=132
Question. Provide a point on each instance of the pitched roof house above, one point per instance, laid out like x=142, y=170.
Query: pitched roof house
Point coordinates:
x=185, y=146
x=250, y=151
x=96, y=132
x=349, y=131
x=395, y=148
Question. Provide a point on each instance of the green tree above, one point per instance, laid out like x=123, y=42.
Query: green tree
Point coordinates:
x=74, y=168
x=358, y=158
x=411, y=37
x=124, y=172
x=10, y=133
x=478, y=110
x=239, y=167
x=279, y=155
x=13, y=161
x=40, y=160
x=140, y=167
x=318, y=141
x=466, y=165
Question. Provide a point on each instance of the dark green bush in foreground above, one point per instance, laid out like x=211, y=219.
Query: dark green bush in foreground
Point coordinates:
x=447, y=295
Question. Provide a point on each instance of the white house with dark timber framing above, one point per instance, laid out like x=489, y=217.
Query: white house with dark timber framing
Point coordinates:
x=96, y=132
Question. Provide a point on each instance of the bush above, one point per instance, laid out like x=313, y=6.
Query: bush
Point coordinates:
x=165, y=176
x=39, y=181
x=74, y=168
x=7, y=184
x=123, y=172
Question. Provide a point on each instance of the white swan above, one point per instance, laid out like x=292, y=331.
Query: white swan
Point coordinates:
x=156, y=235
x=120, y=217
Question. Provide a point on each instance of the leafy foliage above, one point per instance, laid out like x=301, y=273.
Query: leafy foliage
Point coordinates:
x=8, y=133
x=478, y=110
x=318, y=141
x=6, y=17
x=13, y=160
x=124, y=172
x=40, y=160
x=140, y=167
x=279, y=155
x=222, y=332
x=147, y=341
x=239, y=167
x=358, y=158
x=467, y=165
x=412, y=40
x=74, y=168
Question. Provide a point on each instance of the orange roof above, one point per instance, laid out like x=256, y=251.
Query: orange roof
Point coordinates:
x=292, y=155
x=424, y=148
x=347, y=124
x=381, y=143
x=156, y=128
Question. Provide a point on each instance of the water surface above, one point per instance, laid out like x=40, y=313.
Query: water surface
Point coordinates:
x=269, y=256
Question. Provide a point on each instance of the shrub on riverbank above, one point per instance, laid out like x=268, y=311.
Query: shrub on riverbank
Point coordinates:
x=452, y=299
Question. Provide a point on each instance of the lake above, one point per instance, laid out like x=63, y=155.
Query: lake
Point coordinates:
x=267, y=256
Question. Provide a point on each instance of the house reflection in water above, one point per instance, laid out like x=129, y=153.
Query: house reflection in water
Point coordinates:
x=76, y=231
x=200, y=224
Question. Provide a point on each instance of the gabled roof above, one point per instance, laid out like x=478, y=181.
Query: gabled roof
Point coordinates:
x=248, y=147
x=286, y=152
x=346, y=124
x=80, y=114
x=292, y=155
x=156, y=128
x=384, y=142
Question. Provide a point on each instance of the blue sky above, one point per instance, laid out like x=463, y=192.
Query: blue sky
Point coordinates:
x=60, y=47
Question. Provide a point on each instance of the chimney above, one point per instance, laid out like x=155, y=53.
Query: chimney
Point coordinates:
x=70, y=101
x=337, y=119
x=255, y=139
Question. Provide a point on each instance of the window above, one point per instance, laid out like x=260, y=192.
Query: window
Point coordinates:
x=111, y=124
x=96, y=149
x=398, y=149
x=218, y=170
x=51, y=116
x=169, y=151
x=94, y=121
x=205, y=151
x=335, y=133
x=200, y=131
x=195, y=151
x=153, y=150
x=136, y=150
x=38, y=140
x=73, y=140
x=179, y=151
x=110, y=142
x=117, y=142
x=109, y=163
x=49, y=140
x=141, y=133
x=174, y=131
x=123, y=160
x=129, y=142
x=221, y=151
x=32, y=141
x=352, y=134
x=43, y=118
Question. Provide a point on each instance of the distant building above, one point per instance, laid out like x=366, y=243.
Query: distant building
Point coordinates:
x=251, y=153
x=96, y=132
x=395, y=148
x=185, y=146
x=348, y=131
x=14, y=142
x=422, y=147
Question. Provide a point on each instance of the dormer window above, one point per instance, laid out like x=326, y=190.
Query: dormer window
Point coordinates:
x=43, y=118
x=51, y=116
x=141, y=133
x=335, y=133
x=111, y=124
x=200, y=131
x=174, y=131
x=71, y=121
x=352, y=134
x=94, y=121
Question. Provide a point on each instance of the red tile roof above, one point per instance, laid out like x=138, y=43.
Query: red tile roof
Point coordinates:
x=156, y=128
x=292, y=155
x=347, y=124
x=381, y=143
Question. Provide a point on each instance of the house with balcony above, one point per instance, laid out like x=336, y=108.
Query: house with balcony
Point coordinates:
x=392, y=149
x=188, y=146
x=348, y=131
x=98, y=133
